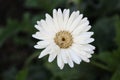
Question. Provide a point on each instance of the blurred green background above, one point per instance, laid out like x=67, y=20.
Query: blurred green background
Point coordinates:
x=18, y=58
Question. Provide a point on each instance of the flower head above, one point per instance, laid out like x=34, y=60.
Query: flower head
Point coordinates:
x=64, y=36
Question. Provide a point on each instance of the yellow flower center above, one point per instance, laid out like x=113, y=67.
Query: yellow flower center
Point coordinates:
x=63, y=39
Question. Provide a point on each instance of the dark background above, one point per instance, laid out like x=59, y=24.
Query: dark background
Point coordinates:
x=19, y=60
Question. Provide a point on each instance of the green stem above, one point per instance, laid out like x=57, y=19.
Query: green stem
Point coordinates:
x=101, y=66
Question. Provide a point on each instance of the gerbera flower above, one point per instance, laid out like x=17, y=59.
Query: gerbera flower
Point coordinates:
x=64, y=36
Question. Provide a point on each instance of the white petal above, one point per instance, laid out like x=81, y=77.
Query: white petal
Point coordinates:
x=77, y=14
x=82, y=27
x=42, y=36
x=64, y=55
x=38, y=27
x=88, y=41
x=84, y=20
x=74, y=57
x=60, y=61
x=38, y=35
x=50, y=23
x=92, y=47
x=41, y=44
x=75, y=23
x=46, y=27
x=83, y=35
x=52, y=56
x=81, y=40
x=55, y=19
x=84, y=56
x=66, y=17
x=86, y=60
x=55, y=14
x=54, y=52
x=60, y=18
x=38, y=22
x=83, y=53
x=86, y=47
x=70, y=62
x=71, y=19
x=90, y=52
x=45, y=52
x=77, y=48
x=87, y=28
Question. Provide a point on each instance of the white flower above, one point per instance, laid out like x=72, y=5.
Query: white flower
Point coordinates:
x=64, y=36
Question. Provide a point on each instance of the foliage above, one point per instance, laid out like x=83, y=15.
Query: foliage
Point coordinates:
x=18, y=58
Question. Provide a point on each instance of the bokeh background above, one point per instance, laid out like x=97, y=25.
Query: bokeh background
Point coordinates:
x=19, y=60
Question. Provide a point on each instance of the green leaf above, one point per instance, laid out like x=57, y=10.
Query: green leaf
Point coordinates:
x=116, y=75
x=104, y=33
x=47, y=5
x=32, y=3
x=29, y=59
x=14, y=26
x=11, y=29
x=117, y=38
x=110, y=59
x=100, y=65
x=22, y=74
x=26, y=24
x=9, y=74
x=83, y=71
x=107, y=7
x=66, y=74
x=1, y=30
